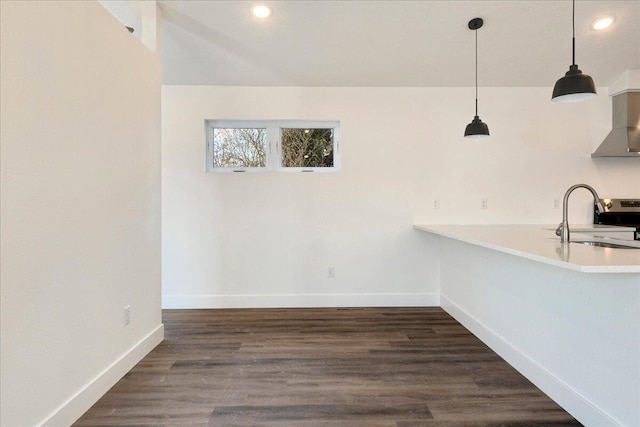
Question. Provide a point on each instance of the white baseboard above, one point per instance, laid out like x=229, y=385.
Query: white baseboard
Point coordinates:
x=301, y=300
x=572, y=401
x=83, y=399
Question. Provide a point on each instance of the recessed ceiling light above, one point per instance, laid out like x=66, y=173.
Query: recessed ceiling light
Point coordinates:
x=602, y=23
x=260, y=10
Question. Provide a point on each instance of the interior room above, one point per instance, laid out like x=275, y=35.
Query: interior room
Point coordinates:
x=451, y=159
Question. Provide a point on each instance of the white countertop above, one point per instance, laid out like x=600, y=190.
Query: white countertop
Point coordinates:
x=539, y=243
x=595, y=229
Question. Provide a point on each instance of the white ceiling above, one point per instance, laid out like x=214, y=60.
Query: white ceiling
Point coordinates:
x=394, y=43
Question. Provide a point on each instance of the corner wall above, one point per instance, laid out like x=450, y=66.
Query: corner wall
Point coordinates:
x=80, y=207
x=266, y=239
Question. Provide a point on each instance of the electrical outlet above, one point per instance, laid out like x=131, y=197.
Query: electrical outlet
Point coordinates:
x=127, y=315
x=485, y=203
x=436, y=203
x=331, y=272
x=556, y=203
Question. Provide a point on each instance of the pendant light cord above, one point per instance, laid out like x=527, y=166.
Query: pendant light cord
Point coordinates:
x=573, y=40
x=476, y=31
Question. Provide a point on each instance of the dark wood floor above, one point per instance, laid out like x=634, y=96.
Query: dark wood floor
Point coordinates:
x=400, y=367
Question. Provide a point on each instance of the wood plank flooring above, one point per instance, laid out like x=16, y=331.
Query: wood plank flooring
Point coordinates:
x=373, y=367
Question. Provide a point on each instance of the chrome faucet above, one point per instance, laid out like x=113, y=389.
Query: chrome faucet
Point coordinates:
x=563, y=228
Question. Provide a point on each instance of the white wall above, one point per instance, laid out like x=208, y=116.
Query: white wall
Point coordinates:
x=575, y=335
x=267, y=239
x=141, y=15
x=80, y=207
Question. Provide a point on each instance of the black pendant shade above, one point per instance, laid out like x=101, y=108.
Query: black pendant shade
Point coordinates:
x=574, y=86
x=476, y=129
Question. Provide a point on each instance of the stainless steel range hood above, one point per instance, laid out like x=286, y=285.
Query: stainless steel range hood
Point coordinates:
x=624, y=139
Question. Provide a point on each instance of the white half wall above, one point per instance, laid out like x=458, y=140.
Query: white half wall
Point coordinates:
x=574, y=335
x=245, y=239
x=80, y=207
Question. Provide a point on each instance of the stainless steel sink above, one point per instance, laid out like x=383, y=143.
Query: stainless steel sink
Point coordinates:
x=607, y=244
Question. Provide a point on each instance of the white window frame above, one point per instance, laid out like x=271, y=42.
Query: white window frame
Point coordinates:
x=273, y=150
x=210, y=125
x=310, y=124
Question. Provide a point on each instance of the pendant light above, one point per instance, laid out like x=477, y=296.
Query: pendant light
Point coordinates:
x=476, y=129
x=574, y=86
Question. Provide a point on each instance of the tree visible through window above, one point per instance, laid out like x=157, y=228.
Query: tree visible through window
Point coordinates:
x=244, y=148
x=307, y=148
x=272, y=145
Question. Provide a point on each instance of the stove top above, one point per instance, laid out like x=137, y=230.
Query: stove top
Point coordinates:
x=621, y=205
x=624, y=212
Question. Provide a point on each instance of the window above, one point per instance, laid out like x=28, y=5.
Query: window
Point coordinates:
x=307, y=147
x=239, y=147
x=249, y=146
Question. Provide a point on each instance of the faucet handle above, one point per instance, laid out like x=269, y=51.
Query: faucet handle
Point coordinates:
x=559, y=230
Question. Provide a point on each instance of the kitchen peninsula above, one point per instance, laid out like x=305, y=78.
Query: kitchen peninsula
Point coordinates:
x=568, y=318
